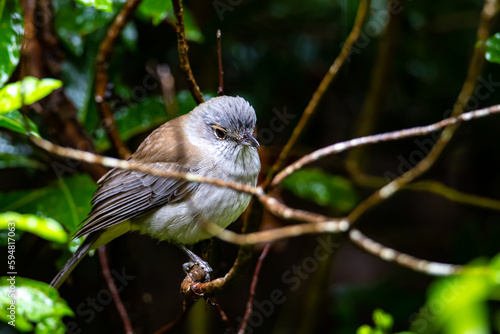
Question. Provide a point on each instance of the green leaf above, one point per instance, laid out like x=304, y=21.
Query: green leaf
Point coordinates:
x=8, y=160
x=14, y=121
x=462, y=301
x=12, y=31
x=13, y=96
x=159, y=11
x=493, y=49
x=66, y=201
x=43, y=227
x=75, y=24
x=104, y=5
x=365, y=329
x=193, y=32
x=38, y=306
x=382, y=320
x=323, y=189
x=156, y=10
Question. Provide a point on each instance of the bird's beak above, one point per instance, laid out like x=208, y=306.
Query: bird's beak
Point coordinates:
x=249, y=140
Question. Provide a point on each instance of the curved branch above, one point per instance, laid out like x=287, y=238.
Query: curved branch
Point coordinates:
x=383, y=137
x=101, y=76
x=183, y=52
x=489, y=11
x=404, y=260
x=251, y=296
x=431, y=186
x=364, y=5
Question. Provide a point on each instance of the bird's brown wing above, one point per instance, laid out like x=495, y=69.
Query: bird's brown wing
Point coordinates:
x=125, y=194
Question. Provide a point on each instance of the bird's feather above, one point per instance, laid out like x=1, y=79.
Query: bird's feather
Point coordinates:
x=126, y=194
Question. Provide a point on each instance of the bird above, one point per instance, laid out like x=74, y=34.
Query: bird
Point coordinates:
x=216, y=140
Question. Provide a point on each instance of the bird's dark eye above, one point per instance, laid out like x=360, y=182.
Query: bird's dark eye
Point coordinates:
x=219, y=133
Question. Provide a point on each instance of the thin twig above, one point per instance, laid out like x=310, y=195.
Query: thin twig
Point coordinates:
x=489, y=11
x=173, y=324
x=253, y=286
x=364, y=5
x=405, y=260
x=223, y=316
x=102, y=79
x=220, y=89
x=183, y=52
x=379, y=138
x=454, y=195
x=431, y=186
x=114, y=291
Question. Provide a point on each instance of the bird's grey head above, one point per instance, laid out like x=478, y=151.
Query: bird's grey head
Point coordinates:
x=227, y=123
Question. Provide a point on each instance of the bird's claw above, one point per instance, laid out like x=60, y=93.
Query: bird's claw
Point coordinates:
x=202, y=264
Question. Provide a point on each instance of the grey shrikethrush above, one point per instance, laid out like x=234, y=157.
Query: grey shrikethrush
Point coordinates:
x=214, y=140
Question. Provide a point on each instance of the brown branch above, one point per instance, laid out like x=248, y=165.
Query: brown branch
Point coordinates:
x=220, y=90
x=102, y=79
x=405, y=260
x=364, y=5
x=103, y=258
x=383, y=137
x=253, y=285
x=183, y=52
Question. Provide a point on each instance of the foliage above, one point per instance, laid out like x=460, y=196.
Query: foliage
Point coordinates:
x=44, y=227
x=493, y=49
x=11, y=25
x=321, y=188
x=459, y=304
x=65, y=200
x=35, y=302
x=104, y=5
x=13, y=120
x=383, y=324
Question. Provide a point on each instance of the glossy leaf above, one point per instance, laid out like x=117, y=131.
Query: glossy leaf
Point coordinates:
x=13, y=96
x=323, y=189
x=104, y=5
x=75, y=24
x=43, y=227
x=493, y=49
x=156, y=10
x=12, y=31
x=39, y=307
x=14, y=121
x=67, y=201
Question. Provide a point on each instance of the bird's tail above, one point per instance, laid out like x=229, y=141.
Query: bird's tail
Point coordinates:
x=80, y=253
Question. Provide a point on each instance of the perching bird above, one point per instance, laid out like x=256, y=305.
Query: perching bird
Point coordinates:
x=214, y=140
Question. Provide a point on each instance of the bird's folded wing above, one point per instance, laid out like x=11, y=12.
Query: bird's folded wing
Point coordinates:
x=125, y=194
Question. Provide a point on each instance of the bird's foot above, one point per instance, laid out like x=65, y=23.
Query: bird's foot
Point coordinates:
x=202, y=264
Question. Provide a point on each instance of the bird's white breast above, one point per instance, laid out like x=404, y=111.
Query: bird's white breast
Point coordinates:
x=182, y=222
